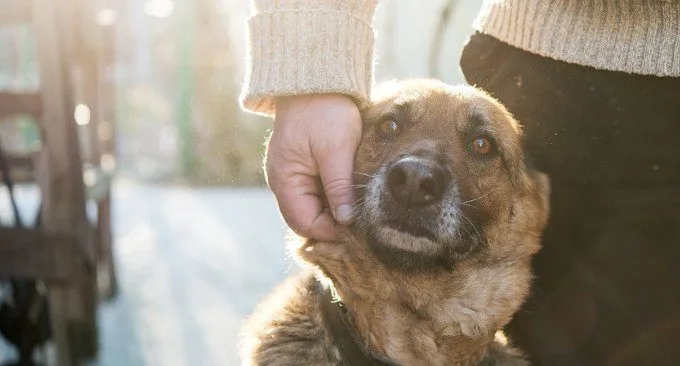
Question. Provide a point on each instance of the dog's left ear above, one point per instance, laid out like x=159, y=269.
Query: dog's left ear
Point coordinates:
x=541, y=186
x=543, y=182
x=531, y=209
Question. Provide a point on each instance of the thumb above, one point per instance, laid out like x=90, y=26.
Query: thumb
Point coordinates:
x=336, y=176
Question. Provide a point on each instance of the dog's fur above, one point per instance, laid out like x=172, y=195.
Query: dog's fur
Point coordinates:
x=434, y=299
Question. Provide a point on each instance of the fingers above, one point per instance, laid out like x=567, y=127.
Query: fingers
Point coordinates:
x=310, y=159
x=334, y=147
x=336, y=176
x=302, y=208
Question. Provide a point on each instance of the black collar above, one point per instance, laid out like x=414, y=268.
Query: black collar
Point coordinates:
x=352, y=349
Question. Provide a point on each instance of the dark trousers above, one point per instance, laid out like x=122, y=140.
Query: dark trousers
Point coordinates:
x=607, y=287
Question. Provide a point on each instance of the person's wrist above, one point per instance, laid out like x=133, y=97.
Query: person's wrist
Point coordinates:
x=285, y=102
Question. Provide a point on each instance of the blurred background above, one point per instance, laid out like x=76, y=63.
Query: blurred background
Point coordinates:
x=188, y=237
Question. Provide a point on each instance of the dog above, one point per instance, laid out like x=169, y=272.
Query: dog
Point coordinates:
x=448, y=216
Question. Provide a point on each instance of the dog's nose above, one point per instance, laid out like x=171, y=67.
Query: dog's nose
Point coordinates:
x=416, y=182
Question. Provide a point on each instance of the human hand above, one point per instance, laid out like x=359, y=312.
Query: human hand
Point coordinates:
x=310, y=162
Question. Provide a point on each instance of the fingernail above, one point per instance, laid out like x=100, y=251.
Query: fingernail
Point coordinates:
x=343, y=214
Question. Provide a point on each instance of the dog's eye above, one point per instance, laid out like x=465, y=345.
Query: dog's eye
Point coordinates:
x=388, y=128
x=482, y=146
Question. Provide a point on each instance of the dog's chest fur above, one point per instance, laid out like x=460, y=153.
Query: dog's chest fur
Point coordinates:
x=437, y=320
x=290, y=328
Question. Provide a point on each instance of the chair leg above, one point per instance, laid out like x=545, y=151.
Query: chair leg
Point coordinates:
x=106, y=260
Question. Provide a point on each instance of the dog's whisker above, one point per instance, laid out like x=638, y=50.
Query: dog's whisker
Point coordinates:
x=460, y=236
x=355, y=211
x=473, y=226
x=467, y=231
x=356, y=207
x=480, y=197
x=469, y=205
x=360, y=200
x=364, y=174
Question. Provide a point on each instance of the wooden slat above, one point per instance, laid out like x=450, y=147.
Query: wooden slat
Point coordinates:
x=32, y=253
x=23, y=161
x=15, y=11
x=61, y=177
x=19, y=162
x=21, y=166
x=97, y=181
x=108, y=284
x=20, y=103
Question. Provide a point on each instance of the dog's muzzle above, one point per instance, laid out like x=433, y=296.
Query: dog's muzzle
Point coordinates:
x=412, y=214
x=412, y=195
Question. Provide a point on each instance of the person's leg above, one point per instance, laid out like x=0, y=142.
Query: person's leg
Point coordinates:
x=607, y=288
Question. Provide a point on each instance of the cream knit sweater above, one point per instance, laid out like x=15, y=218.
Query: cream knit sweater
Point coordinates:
x=326, y=46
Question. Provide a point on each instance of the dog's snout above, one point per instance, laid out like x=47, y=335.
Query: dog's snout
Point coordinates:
x=416, y=182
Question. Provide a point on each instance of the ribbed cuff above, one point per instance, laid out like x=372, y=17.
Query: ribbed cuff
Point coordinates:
x=292, y=52
x=640, y=37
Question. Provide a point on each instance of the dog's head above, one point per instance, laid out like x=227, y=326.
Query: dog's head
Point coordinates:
x=441, y=177
x=441, y=183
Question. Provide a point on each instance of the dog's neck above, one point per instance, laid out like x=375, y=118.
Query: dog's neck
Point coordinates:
x=434, y=318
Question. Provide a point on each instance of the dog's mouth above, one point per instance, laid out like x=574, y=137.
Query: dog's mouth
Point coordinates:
x=412, y=229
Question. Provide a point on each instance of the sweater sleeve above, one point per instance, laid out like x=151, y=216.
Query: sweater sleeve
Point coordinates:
x=307, y=46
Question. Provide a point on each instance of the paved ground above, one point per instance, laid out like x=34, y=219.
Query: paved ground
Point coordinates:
x=192, y=263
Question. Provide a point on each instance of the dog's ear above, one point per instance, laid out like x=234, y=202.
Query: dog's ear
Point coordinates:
x=530, y=210
x=511, y=139
x=543, y=183
x=540, y=188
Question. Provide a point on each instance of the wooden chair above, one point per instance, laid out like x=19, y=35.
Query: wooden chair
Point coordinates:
x=73, y=165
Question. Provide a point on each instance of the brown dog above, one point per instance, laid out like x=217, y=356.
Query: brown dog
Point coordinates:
x=448, y=218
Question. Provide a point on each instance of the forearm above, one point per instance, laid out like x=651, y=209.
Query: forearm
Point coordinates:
x=308, y=46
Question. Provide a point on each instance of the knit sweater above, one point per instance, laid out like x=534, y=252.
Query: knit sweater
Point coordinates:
x=326, y=46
